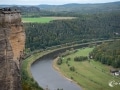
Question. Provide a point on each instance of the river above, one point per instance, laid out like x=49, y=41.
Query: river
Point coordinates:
x=47, y=77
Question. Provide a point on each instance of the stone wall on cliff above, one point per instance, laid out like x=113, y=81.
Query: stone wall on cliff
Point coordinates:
x=12, y=43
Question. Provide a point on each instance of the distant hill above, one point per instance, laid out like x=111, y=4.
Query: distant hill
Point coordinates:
x=29, y=11
x=83, y=8
x=72, y=9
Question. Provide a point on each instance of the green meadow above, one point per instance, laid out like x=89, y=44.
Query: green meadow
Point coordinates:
x=37, y=20
x=89, y=74
x=43, y=19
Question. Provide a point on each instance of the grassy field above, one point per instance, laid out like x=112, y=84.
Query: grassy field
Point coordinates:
x=90, y=75
x=44, y=19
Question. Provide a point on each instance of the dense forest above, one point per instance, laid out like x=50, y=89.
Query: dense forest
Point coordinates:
x=84, y=28
x=108, y=53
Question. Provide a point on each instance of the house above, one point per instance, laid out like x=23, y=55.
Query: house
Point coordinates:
x=115, y=72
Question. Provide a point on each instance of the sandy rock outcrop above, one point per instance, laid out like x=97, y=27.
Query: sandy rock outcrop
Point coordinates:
x=12, y=43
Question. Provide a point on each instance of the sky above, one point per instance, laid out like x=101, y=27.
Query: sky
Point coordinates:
x=50, y=2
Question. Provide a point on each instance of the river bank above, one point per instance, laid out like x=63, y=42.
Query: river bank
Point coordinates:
x=27, y=78
x=89, y=74
x=57, y=69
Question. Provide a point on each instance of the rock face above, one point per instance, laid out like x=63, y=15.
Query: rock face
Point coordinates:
x=12, y=43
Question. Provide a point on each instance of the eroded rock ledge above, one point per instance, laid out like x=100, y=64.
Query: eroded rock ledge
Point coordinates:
x=12, y=43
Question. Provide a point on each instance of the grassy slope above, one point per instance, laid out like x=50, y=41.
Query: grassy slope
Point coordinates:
x=44, y=19
x=90, y=75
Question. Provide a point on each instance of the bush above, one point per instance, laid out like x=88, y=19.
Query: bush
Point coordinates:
x=59, y=61
x=71, y=77
x=68, y=59
x=81, y=58
x=72, y=68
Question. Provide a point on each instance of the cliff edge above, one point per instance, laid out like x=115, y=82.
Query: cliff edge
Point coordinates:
x=12, y=43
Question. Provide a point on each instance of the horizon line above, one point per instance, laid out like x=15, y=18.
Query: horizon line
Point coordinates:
x=54, y=4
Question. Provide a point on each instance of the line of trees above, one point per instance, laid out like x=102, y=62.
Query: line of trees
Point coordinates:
x=108, y=53
x=29, y=83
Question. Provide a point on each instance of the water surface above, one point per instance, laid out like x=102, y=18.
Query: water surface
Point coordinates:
x=47, y=76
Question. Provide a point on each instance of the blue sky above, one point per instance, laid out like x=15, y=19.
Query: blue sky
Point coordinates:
x=51, y=2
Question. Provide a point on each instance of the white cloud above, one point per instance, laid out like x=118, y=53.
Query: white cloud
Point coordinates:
x=37, y=2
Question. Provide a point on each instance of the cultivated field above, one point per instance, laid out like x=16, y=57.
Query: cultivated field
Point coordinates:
x=44, y=19
x=90, y=75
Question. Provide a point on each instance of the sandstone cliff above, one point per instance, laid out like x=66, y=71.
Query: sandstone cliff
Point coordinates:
x=12, y=43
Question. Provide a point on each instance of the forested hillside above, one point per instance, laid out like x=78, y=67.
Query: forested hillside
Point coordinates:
x=108, y=53
x=85, y=28
x=83, y=8
x=66, y=10
x=31, y=11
